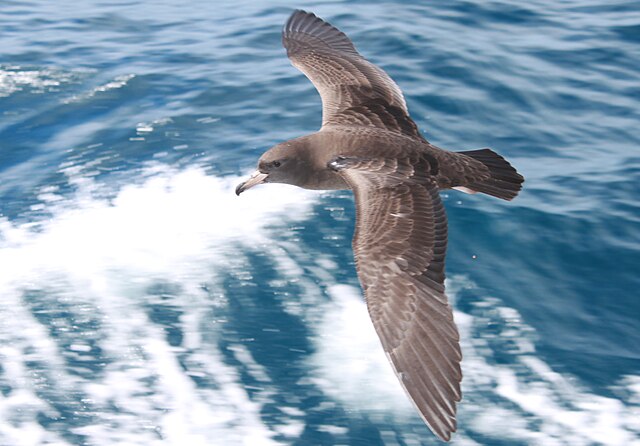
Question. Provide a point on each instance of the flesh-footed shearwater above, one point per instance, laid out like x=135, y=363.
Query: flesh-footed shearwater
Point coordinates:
x=369, y=144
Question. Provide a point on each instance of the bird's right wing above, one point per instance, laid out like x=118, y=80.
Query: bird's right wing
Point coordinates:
x=399, y=246
x=354, y=91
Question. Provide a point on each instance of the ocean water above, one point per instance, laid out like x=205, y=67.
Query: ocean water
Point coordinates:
x=143, y=303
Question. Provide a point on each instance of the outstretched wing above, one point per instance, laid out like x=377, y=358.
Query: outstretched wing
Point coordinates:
x=399, y=246
x=353, y=90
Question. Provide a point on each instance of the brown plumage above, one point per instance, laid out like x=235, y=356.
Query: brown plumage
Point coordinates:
x=369, y=144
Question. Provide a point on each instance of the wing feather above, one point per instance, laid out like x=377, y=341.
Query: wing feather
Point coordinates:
x=354, y=91
x=400, y=262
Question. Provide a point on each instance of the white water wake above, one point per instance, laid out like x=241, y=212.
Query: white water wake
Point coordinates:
x=83, y=360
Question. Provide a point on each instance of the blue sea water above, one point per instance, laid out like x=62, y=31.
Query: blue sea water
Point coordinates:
x=143, y=303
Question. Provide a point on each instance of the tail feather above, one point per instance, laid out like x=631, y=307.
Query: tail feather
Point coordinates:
x=505, y=181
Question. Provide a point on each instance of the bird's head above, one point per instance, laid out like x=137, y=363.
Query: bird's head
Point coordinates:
x=283, y=163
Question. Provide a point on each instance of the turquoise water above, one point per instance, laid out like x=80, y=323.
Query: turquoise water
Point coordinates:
x=142, y=302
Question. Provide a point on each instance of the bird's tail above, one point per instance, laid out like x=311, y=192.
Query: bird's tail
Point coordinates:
x=505, y=181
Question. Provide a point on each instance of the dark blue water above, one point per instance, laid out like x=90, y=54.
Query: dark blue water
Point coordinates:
x=142, y=302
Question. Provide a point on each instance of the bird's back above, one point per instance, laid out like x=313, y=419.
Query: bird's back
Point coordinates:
x=450, y=169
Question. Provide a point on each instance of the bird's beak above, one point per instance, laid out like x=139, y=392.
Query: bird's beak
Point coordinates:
x=255, y=179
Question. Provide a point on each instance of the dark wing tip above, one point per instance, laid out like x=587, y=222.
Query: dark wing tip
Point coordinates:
x=298, y=17
x=446, y=431
x=306, y=26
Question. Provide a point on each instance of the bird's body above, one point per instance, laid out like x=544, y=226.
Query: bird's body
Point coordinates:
x=452, y=169
x=369, y=144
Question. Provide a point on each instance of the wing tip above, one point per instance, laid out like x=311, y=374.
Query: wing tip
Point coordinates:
x=305, y=22
x=439, y=418
x=296, y=17
x=441, y=425
x=302, y=21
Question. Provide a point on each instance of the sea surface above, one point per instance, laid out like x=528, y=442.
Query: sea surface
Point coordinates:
x=143, y=303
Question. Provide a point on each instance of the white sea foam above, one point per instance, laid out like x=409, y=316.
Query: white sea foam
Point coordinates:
x=350, y=364
x=117, y=82
x=14, y=78
x=96, y=258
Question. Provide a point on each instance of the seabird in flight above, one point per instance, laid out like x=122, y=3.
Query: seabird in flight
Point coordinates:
x=369, y=144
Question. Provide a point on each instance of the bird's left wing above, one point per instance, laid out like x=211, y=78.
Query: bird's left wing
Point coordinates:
x=399, y=247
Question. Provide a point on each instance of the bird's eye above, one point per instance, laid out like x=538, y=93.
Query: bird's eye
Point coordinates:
x=276, y=164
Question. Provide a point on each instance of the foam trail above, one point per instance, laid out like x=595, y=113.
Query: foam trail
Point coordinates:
x=14, y=78
x=346, y=336
x=79, y=346
x=82, y=349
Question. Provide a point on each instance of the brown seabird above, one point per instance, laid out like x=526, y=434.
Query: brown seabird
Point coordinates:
x=369, y=144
